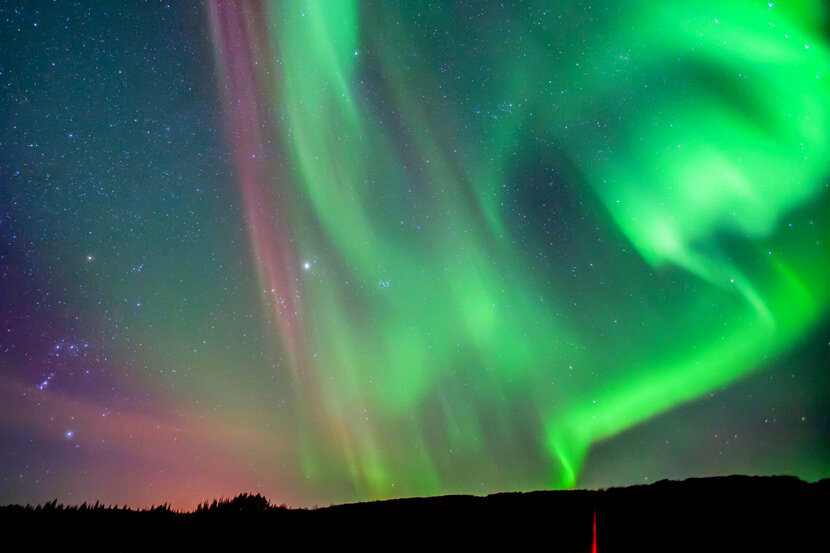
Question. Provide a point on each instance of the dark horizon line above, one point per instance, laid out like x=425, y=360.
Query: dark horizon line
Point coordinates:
x=264, y=504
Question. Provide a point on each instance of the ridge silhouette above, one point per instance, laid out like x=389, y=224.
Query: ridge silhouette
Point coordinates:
x=733, y=513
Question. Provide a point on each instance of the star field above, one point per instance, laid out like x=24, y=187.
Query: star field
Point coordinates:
x=340, y=251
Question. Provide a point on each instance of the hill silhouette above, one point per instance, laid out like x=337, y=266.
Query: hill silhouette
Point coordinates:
x=734, y=513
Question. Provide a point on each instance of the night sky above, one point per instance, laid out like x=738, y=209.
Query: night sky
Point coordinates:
x=337, y=251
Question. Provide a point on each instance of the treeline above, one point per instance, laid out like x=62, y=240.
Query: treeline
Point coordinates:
x=736, y=513
x=242, y=503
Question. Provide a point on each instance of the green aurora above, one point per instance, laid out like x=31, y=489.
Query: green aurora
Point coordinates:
x=337, y=250
x=441, y=297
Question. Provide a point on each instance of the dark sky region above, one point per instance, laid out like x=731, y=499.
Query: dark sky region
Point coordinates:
x=339, y=251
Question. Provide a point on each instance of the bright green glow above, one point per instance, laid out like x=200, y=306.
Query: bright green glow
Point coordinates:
x=437, y=330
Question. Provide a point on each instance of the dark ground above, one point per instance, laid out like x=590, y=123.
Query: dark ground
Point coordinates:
x=736, y=513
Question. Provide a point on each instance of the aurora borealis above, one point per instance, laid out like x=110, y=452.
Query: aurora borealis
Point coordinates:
x=334, y=251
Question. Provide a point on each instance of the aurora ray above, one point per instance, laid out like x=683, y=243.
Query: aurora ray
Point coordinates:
x=732, y=140
x=357, y=250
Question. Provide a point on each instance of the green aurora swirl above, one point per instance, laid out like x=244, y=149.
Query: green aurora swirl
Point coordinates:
x=342, y=250
x=682, y=134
